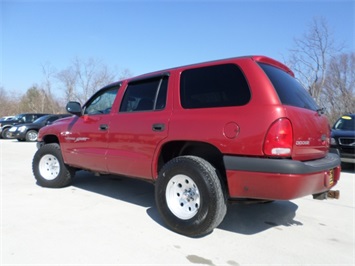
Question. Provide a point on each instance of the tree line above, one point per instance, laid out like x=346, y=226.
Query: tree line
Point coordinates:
x=317, y=60
x=77, y=82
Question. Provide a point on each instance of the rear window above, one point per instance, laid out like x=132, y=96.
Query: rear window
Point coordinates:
x=214, y=86
x=290, y=91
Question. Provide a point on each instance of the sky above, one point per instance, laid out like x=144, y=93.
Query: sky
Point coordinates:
x=145, y=36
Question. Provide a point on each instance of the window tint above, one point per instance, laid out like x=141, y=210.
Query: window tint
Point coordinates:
x=53, y=118
x=28, y=118
x=290, y=91
x=214, y=86
x=102, y=102
x=40, y=119
x=145, y=95
x=345, y=123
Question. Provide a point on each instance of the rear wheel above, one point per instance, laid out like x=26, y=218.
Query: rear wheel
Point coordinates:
x=49, y=168
x=189, y=196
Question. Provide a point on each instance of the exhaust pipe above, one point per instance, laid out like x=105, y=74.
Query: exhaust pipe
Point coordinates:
x=331, y=194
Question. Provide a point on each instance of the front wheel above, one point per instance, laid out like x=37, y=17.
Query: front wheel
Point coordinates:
x=49, y=168
x=189, y=196
x=4, y=133
x=31, y=135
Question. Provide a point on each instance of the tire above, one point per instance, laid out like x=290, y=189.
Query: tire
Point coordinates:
x=31, y=135
x=4, y=133
x=189, y=196
x=49, y=169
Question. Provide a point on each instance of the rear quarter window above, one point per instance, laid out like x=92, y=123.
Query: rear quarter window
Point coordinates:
x=289, y=90
x=213, y=86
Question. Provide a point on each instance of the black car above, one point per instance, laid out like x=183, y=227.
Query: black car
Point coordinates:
x=343, y=138
x=29, y=131
x=18, y=119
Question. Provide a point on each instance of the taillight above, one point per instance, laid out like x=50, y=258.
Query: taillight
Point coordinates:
x=279, y=139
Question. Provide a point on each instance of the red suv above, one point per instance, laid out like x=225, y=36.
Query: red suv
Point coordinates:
x=233, y=129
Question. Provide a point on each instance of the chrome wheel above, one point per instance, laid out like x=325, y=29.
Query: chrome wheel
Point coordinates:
x=182, y=197
x=31, y=135
x=49, y=167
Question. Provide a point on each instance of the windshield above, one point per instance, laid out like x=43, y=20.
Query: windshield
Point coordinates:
x=345, y=123
x=6, y=119
x=18, y=117
x=41, y=119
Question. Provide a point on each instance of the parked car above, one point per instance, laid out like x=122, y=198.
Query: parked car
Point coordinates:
x=205, y=134
x=6, y=118
x=18, y=119
x=343, y=138
x=29, y=131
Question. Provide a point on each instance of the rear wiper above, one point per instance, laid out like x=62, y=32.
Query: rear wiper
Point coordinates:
x=321, y=111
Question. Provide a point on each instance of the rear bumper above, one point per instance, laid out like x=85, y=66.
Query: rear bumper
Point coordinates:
x=280, y=179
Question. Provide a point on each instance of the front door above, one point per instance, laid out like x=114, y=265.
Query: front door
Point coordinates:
x=85, y=141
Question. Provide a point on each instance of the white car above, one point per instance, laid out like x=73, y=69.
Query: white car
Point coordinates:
x=6, y=118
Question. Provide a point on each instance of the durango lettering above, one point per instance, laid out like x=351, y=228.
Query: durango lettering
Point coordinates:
x=302, y=142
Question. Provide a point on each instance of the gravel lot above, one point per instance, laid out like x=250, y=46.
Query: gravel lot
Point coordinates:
x=114, y=221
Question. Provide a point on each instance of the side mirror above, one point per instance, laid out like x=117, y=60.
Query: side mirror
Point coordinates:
x=74, y=108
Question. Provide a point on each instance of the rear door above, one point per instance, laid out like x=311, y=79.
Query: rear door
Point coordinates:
x=311, y=132
x=137, y=129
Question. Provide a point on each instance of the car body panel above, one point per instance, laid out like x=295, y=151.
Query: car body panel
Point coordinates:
x=84, y=144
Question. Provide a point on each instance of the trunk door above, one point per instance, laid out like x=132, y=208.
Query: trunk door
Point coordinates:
x=311, y=131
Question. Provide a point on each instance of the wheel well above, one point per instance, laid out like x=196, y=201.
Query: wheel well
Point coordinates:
x=203, y=150
x=50, y=139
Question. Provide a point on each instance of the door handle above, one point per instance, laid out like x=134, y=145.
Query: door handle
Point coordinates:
x=158, y=127
x=103, y=127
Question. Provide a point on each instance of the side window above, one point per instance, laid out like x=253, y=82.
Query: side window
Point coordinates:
x=145, y=95
x=214, y=86
x=101, y=103
x=28, y=118
x=51, y=119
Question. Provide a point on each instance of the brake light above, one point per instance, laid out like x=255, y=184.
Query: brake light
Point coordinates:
x=279, y=139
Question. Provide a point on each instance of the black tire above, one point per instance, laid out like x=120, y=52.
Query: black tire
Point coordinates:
x=4, y=133
x=31, y=135
x=49, y=169
x=189, y=196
